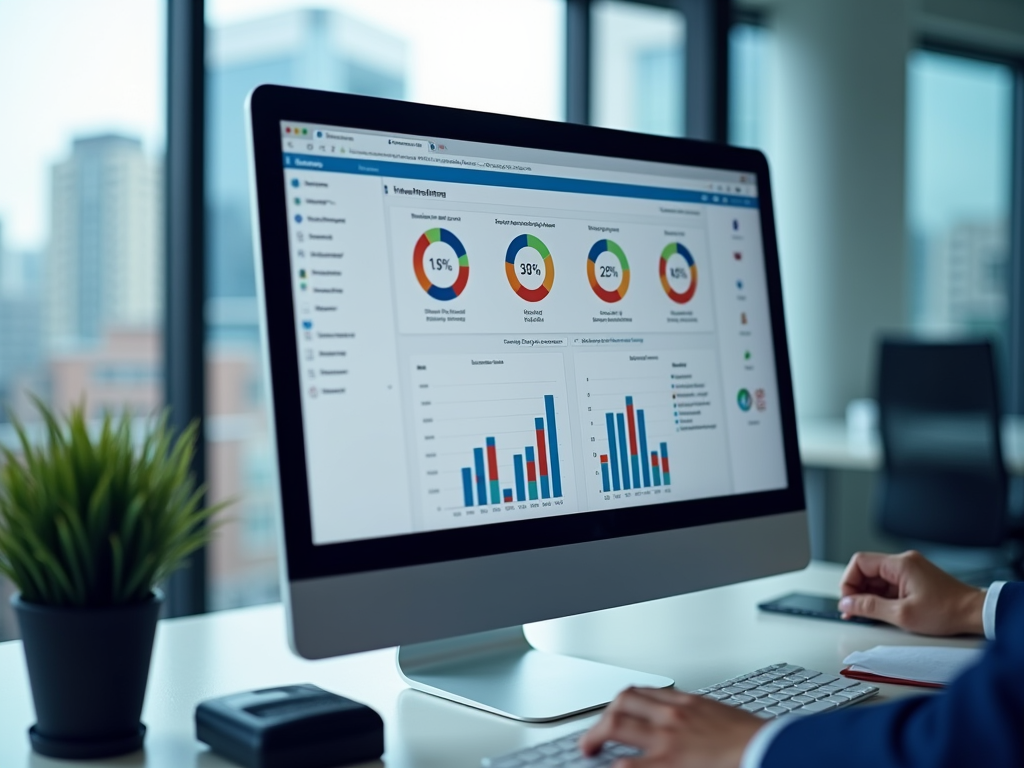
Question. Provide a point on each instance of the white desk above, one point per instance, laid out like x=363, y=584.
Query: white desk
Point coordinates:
x=696, y=639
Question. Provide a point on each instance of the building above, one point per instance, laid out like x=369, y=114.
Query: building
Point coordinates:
x=104, y=258
x=965, y=273
x=20, y=323
x=310, y=48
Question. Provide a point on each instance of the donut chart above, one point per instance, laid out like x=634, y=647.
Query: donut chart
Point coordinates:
x=529, y=241
x=596, y=250
x=670, y=250
x=440, y=235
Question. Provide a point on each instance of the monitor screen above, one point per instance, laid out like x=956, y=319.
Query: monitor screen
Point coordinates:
x=488, y=333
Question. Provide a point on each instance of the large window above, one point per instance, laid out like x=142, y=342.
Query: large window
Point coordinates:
x=637, y=65
x=81, y=214
x=959, y=186
x=429, y=52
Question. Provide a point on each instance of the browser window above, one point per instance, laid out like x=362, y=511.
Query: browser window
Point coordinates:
x=491, y=333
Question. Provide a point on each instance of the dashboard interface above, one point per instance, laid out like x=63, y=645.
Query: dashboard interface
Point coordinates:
x=490, y=333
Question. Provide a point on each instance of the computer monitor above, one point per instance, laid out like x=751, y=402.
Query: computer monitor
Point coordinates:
x=519, y=370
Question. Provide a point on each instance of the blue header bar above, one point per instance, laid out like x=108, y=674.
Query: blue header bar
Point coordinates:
x=510, y=180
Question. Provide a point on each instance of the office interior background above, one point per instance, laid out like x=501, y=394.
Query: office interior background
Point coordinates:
x=894, y=130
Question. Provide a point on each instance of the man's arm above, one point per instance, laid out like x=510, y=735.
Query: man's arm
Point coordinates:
x=977, y=721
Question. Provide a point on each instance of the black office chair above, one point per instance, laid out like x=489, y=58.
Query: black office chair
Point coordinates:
x=944, y=480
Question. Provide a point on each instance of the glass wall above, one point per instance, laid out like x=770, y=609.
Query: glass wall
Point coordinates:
x=81, y=215
x=637, y=61
x=750, y=85
x=502, y=56
x=959, y=152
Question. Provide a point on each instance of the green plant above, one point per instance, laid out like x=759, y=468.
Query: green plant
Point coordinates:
x=98, y=521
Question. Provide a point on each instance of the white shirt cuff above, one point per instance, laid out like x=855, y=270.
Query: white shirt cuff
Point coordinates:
x=758, y=746
x=988, y=612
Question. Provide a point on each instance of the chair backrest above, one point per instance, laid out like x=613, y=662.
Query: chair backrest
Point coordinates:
x=944, y=479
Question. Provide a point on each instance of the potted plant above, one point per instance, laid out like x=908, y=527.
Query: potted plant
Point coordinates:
x=90, y=523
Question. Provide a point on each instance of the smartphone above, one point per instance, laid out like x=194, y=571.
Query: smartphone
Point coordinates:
x=814, y=606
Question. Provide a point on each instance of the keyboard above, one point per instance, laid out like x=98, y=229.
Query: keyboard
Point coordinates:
x=769, y=692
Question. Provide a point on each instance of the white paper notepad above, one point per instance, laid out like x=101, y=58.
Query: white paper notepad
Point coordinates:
x=927, y=664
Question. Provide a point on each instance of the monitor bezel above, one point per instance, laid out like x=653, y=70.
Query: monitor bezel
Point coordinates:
x=267, y=107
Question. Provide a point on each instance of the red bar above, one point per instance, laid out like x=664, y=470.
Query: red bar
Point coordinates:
x=654, y=460
x=531, y=471
x=632, y=429
x=664, y=465
x=492, y=462
x=604, y=458
x=542, y=452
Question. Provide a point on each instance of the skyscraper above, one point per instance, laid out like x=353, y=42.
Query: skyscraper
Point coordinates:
x=308, y=48
x=103, y=261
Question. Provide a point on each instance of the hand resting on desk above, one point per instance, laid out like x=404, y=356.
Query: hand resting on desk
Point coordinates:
x=911, y=592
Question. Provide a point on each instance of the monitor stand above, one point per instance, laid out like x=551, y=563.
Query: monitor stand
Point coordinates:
x=499, y=671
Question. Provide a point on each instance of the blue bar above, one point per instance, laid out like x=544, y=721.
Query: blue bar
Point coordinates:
x=509, y=180
x=665, y=476
x=467, y=486
x=613, y=454
x=643, y=448
x=556, y=477
x=654, y=468
x=623, y=451
x=604, y=477
x=517, y=460
x=481, y=478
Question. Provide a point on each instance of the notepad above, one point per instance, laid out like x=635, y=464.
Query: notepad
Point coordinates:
x=923, y=665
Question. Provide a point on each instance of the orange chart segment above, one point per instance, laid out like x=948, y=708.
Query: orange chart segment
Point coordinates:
x=544, y=269
x=678, y=275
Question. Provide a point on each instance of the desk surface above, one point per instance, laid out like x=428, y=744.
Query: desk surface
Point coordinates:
x=696, y=639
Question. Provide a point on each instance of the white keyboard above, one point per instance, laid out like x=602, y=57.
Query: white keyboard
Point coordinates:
x=769, y=692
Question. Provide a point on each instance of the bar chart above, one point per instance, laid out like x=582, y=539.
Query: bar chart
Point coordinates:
x=651, y=421
x=493, y=437
x=526, y=472
x=628, y=464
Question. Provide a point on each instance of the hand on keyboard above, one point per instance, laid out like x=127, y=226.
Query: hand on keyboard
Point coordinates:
x=674, y=729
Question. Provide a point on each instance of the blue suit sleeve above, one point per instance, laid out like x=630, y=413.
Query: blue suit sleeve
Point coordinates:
x=978, y=720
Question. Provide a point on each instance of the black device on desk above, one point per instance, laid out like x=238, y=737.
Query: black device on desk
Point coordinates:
x=814, y=606
x=294, y=726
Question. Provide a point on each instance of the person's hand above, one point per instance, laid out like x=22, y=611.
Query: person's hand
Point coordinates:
x=911, y=592
x=674, y=730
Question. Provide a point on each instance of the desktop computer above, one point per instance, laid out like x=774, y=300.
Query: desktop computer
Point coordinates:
x=519, y=370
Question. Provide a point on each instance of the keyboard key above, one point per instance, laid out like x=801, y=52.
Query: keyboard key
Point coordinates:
x=802, y=699
x=764, y=714
x=837, y=700
x=818, y=706
x=845, y=682
x=780, y=696
x=862, y=690
x=717, y=696
x=777, y=710
x=753, y=706
x=738, y=699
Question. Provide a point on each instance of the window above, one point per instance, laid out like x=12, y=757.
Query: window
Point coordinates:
x=959, y=150
x=383, y=48
x=81, y=221
x=638, y=67
x=749, y=85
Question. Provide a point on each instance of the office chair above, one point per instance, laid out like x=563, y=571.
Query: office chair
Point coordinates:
x=944, y=480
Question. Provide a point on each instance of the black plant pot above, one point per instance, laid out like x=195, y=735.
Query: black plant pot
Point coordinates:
x=88, y=669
